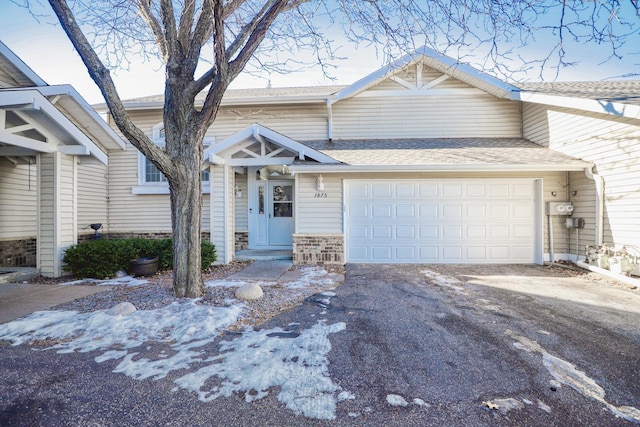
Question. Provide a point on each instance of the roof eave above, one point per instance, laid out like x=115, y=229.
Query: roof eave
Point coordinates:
x=585, y=104
x=344, y=168
x=69, y=91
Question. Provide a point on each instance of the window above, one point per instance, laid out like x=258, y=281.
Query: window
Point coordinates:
x=150, y=179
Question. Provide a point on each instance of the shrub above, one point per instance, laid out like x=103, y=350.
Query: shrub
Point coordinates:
x=102, y=258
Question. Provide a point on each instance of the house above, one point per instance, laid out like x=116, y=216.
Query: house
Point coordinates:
x=426, y=160
x=423, y=161
x=53, y=167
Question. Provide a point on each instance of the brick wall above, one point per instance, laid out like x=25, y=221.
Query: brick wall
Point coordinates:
x=318, y=249
x=18, y=253
x=161, y=235
x=242, y=240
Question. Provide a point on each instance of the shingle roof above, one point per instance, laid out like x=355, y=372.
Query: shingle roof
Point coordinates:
x=253, y=94
x=623, y=91
x=467, y=151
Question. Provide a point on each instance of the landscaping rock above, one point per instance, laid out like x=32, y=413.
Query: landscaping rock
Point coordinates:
x=123, y=308
x=249, y=291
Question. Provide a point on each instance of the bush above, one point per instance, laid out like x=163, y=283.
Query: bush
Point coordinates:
x=102, y=258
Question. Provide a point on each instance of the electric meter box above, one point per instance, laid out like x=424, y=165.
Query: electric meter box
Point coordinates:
x=559, y=208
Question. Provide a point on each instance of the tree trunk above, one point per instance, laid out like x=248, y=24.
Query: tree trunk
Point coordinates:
x=186, y=207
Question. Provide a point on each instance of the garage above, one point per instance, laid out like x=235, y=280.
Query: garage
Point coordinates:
x=473, y=221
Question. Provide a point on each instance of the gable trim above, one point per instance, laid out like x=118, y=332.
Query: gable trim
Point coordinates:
x=437, y=61
x=261, y=133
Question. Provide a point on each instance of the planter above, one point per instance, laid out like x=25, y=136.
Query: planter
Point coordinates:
x=144, y=266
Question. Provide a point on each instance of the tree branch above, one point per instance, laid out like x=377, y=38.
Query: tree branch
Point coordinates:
x=101, y=76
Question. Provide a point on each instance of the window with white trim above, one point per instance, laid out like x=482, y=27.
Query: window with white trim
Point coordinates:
x=150, y=179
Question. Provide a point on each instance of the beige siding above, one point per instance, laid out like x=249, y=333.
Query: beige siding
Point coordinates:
x=18, y=200
x=47, y=207
x=299, y=122
x=241, y=204
x=426, y=117
x=612, y=145
x=92, y=195
x=324, y=215
x=57, y=207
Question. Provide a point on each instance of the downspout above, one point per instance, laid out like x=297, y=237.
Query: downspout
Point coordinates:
x=599, y=219
x=329, y=120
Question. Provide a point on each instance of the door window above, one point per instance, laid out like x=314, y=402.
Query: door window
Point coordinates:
x=283, y=201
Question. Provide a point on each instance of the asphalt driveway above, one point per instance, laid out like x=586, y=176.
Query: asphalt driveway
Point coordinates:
x=418, y=345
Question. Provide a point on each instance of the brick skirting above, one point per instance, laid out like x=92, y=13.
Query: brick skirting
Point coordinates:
x=241, y=240
x=18, y=253
x=318, y=249
x=205, y=235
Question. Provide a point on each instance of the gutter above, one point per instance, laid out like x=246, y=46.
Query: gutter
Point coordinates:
x=345, y=168
x=599, y=217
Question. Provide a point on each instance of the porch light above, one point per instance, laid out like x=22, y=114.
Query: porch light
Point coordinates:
x=238, y=192
x=319, y=183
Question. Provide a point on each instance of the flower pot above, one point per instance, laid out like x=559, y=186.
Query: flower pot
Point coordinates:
x=144, y=266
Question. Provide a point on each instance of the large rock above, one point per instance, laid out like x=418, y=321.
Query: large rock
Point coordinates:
x=123, y=308
x=249, y=291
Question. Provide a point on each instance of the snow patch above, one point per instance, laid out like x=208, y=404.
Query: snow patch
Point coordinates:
x=444, y=281
x=504, y=405
x=116, y=281
x=255, y=362
x=565, y=372
x=312, y=276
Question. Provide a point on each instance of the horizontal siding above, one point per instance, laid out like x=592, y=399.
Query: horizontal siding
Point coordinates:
x=299, y=122
x=426, y=117
x=241, y=204
x=92, y=195
x=18, y=200
x=611, y=144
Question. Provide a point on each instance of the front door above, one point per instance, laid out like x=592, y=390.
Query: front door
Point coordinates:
x=272, y=217
x=281, y=224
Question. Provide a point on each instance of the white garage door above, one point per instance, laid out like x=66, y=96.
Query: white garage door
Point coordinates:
x=441, y=221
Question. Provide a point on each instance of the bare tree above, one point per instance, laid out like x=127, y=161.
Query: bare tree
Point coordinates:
x=205, y=44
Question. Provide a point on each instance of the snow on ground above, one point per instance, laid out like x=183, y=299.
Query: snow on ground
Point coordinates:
x=444, y=281
x=566, y=373
x=249, y=365
x=116, y=281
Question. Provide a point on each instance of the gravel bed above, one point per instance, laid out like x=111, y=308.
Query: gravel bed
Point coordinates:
x=158, y=292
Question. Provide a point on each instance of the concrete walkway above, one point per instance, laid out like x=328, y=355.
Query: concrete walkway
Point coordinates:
x=21, y=299
x=268, y=271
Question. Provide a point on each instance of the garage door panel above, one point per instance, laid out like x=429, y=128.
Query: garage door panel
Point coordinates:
x=429, y=232
x=381, y=253
x=405, y=211
x=452, y=211
x=446, y=221
x=429, y=211
x=381, y=190
x=405, y=232
x=406, y=190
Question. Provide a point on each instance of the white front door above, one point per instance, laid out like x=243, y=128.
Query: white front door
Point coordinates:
x=272, y=222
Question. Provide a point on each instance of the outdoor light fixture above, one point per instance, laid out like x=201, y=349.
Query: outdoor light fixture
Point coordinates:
x=238, y=192
x=95, y=227
x=319, y=183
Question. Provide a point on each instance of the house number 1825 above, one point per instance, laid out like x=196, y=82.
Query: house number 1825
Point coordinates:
x=320, y=195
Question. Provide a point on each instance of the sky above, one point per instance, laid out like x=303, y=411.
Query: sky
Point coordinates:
x=43, y=46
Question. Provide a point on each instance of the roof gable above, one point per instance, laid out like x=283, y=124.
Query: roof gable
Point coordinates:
x=426, y=61
x=257, y=145
x=13, y=69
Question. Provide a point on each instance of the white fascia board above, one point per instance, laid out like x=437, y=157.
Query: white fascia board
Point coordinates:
x=35, y=100
x=592, y=105
x=342, y=168
x=20, y=65
x=256, y=130
x=70, y=91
